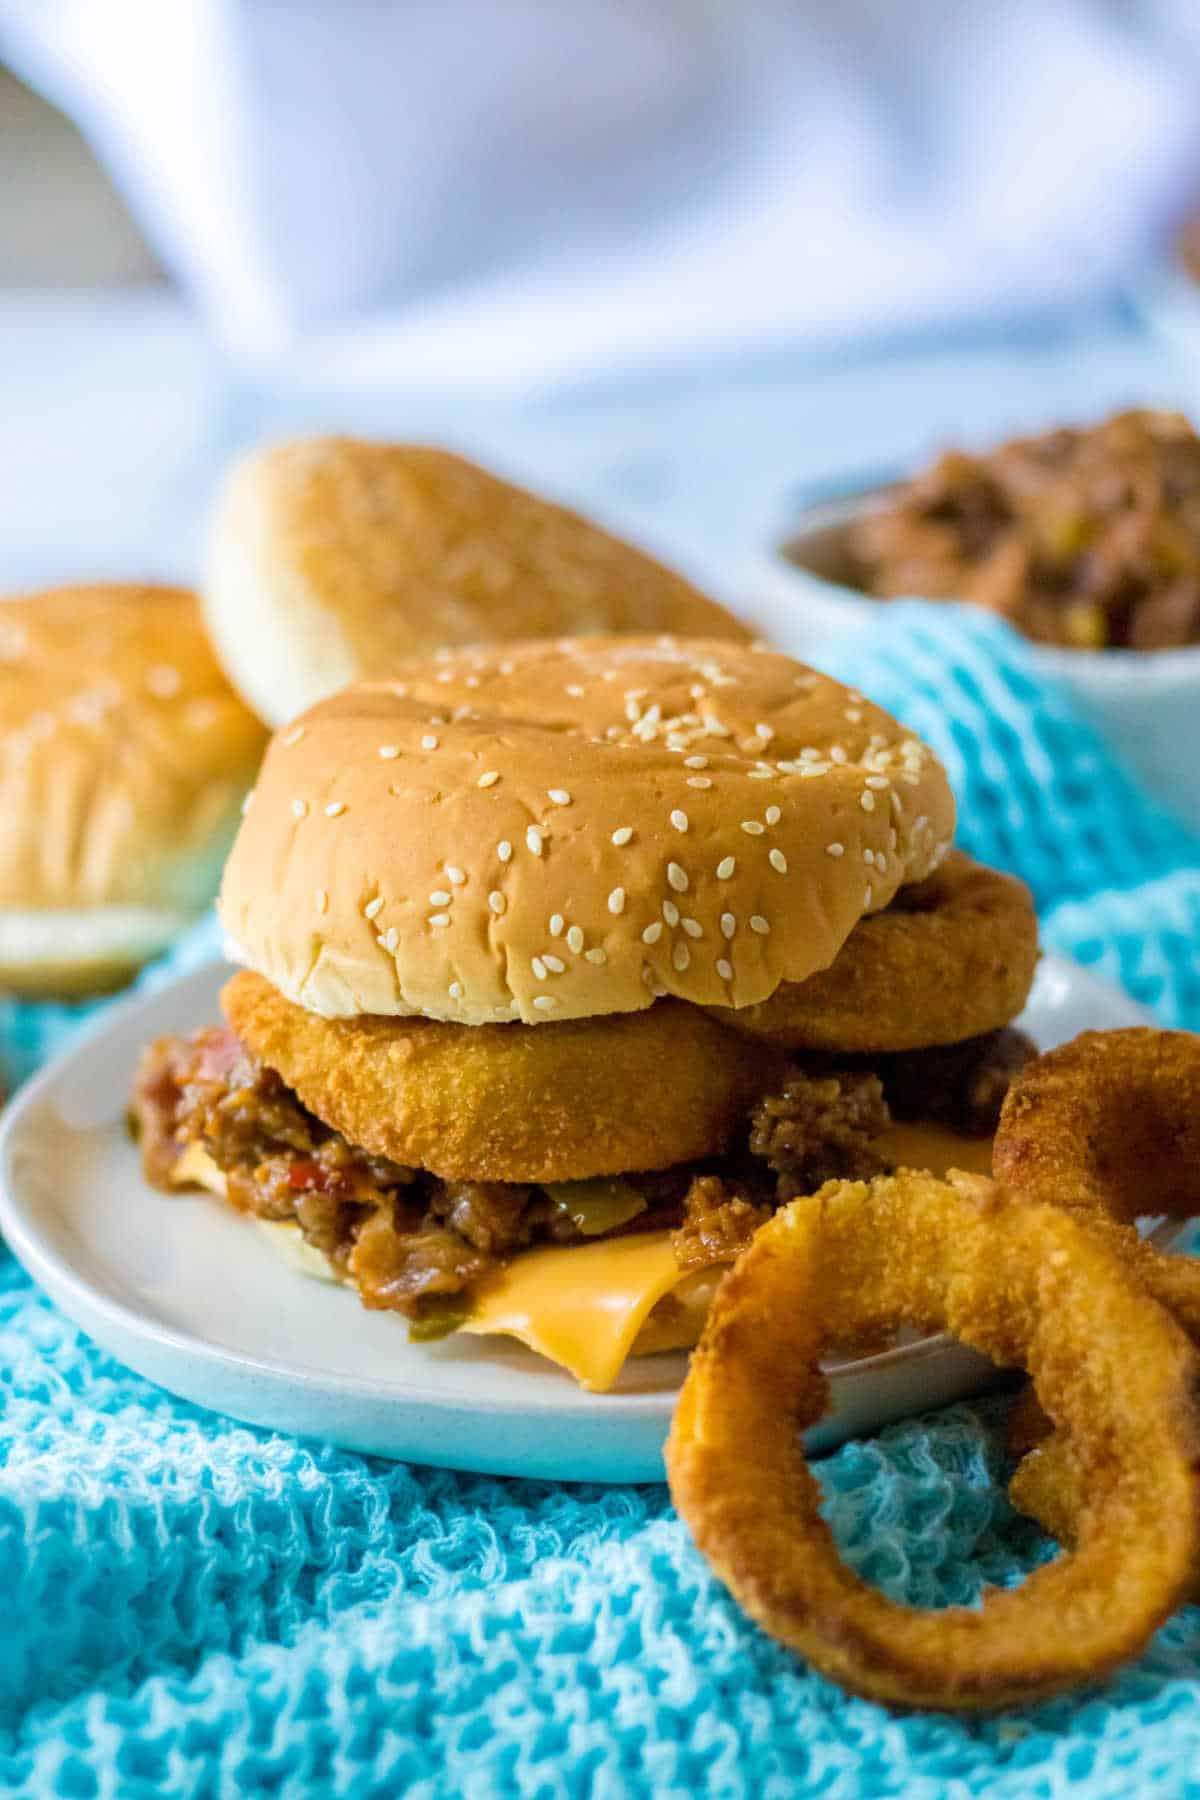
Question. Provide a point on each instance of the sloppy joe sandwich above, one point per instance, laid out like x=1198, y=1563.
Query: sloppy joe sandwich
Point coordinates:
x=126, y=755
x=332, y=560
x=566, y=963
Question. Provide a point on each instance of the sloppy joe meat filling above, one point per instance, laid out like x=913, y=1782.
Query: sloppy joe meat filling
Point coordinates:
x=416, y=1244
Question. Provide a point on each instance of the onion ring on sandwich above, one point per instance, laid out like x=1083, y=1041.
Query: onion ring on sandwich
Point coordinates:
x=487, y=909
x=951, y=958
x=1023, y=1283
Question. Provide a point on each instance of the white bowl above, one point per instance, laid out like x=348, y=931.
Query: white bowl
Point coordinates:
x=1146, y=703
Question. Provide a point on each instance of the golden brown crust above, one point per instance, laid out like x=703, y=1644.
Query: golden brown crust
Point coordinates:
x=1110, y=1121
x=333, y=560
x=507, y=1103
x=959, y=963
x=553, y=831
x=1026, y=1285
x=124, y=755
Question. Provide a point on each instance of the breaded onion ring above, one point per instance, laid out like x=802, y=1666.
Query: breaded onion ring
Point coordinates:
x=555, y=1102
x=949, y=959
x=1024, y=1284
x=1109, y=1121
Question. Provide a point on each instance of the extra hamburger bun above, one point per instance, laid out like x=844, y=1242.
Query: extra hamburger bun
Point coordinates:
x=554, y=831
x=332, y=560
x=124, y=756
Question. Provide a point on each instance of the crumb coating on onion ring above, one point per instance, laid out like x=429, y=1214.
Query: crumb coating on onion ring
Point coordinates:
x=950, y=959
x=1027, y=1286
x=558, y=1102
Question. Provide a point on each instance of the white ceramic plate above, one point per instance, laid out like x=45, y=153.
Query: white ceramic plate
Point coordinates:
x=187, y=1292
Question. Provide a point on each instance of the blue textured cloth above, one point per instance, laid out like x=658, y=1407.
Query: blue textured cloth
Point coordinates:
x=195, y=1608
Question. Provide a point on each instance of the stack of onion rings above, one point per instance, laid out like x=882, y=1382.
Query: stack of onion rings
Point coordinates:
x=1108, y=1124
x=950, y=959
x=1025, y=1283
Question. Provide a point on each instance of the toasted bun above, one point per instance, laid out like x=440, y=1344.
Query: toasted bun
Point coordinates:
x=556, y=831
x=332, y=560
x=124, y=756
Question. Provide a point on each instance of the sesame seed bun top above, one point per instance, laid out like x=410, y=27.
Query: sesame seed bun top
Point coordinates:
x=558, y=830
x=331, y=560
x=124, y=755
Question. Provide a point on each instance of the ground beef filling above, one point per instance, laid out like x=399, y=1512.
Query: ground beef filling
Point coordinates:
x=415, y=1244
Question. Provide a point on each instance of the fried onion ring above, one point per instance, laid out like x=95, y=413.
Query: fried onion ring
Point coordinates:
x=1110, y=1121
x=950, y=959
x=1024, y=1284
x=555, y=1102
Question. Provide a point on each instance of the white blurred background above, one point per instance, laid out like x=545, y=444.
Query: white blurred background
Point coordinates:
x=678, y=259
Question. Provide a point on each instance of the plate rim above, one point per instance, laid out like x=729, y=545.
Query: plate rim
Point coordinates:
x=57, y=1276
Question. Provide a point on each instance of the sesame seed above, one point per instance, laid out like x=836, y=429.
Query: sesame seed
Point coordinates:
x=725, y=868
x=681, y=956
x=835, y=849
x=429, y=741
x=695, y=762
x=837, y=754
x=764, y=732
x=573, y=688
x=762, y=772
x=455, y=875
x=670, y=913
x=868, y=896
x=759, y=924
x=597, y=956
x=391, y=938
x=504, y=850
x=868, y=855
x=616, y=900
x=299, y=808
x=778, y=861
x=677, y=878
x=293, y=736
x=724, y=969
x=496, y=901
x=867, y=801
x=376, y=906
x=247, y=803
x=538, y=967
x=556, y=924
x=322, y=899
x=693, y=927
x=439, y=918
x=752, y=827
x=574, y=939
x=455, y=990
x=879, y=782
x=335, y=809
x=545, y=1002
x=559, y=796
x=389, y=752
x=439, y=898
x=489, y=778
x=622, y=835
x=854, y=715
x=555, y=964
x=728, y=925
x=772, y=815
x=679, y=820
x=699, y=781
x=533, y=840
x=652, y=933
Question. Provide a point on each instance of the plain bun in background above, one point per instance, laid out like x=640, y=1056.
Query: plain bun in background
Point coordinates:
x=552, y=831
x=125, y=755
x=331, y=560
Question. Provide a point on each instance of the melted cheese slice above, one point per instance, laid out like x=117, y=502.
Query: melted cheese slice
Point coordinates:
x=934, y=1148
x=582, y=1305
